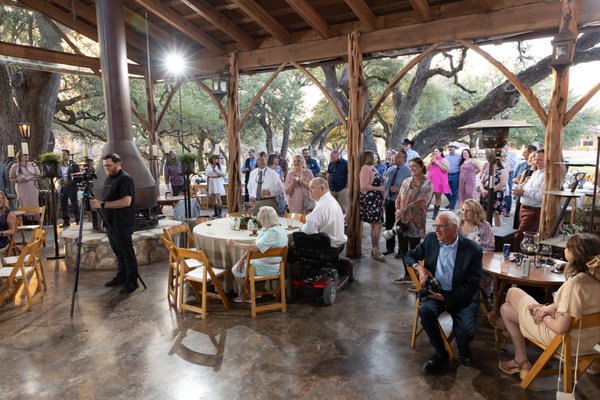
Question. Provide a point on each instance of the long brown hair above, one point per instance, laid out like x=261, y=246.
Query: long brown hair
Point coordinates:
x=583, y=247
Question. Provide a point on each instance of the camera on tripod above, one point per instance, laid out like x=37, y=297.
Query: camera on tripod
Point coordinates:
x=431, y=284
x=397, y=229
x=85, y=177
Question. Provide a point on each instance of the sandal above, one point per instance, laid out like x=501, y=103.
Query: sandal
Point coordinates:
x=512, y=367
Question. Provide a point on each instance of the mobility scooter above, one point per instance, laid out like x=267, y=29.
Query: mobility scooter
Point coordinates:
x=321, y=272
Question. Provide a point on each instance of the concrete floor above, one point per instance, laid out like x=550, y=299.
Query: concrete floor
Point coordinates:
x=137, y=347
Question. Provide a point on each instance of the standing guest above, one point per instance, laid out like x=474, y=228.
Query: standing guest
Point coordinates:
x=511, y=163
x=531, y=201
x=522, y=172
x=379, y=164
x=296, y=185
x=68, y=188
x=118, y=210
x=247, y=167
x=283, y=163
x=216, y=189
x=467, y=183
x=454, y=160
x=394, y=176
x=24, y=175
x=371, y=200
x=437, y=173
x=271, y=235
x=389, y=158
x=173, y=175
x=337, y=176
x=523, y=317
x=411, y=209
x=410, y=153
x=273, y=163
x=8, y=222
x=500, y=180
x=311, y=163
x=264, y=185
x=456, y=262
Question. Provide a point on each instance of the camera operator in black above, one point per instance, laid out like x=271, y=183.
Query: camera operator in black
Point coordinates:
x=118, y=210
x=68, y=188
x=456, y=263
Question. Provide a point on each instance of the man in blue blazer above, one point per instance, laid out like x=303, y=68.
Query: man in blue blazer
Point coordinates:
x=455, y=262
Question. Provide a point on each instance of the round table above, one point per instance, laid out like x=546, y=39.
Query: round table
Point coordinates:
x=211, y=236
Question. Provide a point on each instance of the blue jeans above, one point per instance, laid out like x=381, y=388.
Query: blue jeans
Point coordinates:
x=453, y=195
x=508, y=199
x=463, y=325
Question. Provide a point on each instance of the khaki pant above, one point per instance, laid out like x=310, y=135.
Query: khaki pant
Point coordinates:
x=342, y=199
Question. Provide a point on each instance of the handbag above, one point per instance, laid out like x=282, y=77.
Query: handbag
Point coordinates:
x=308, y=204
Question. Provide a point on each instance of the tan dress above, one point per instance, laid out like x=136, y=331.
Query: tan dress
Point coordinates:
x=577, y=296
x=294, y=197
x=25, y=178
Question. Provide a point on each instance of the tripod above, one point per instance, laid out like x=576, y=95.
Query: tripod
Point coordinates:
x=85, y=204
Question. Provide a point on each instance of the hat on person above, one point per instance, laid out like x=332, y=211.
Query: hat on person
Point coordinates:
x=251, y=150
x=408, y=141
x=454, y=144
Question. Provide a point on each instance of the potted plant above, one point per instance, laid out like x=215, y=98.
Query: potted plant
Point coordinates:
x=49, y=162
x=188, y=163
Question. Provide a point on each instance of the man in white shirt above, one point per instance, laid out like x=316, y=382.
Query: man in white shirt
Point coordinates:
x=531, y=201
x=327, y=216
x=264, y=185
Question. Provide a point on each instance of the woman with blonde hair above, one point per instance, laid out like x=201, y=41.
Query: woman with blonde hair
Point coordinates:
x=371, y=200
x=8, y=222
x=296, y=185
x=523, y=317
x=216, y=189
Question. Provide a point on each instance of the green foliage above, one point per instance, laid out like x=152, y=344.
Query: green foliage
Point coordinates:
x=49, y=158
x=187, y=158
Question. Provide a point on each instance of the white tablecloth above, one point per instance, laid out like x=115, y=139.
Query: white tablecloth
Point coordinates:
x=211, y=239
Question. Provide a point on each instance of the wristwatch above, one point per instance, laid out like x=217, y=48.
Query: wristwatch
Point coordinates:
x=102, y=204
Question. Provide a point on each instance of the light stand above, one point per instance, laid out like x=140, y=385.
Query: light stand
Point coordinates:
x=52, y=181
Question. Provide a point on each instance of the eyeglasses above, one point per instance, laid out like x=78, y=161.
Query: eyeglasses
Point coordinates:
x=435, y=226
x=108, y=165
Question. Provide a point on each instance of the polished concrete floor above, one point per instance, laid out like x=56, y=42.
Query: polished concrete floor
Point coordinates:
x=137, y=347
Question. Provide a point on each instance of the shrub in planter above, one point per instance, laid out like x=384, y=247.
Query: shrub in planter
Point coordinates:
x=49, y=162
x=188, y=163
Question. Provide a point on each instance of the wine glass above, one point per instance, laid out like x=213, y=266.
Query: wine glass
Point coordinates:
x=545, y=251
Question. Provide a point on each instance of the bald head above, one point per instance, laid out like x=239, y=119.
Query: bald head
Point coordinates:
x=317, y=188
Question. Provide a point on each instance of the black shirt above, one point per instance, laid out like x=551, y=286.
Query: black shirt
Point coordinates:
x=115, y=188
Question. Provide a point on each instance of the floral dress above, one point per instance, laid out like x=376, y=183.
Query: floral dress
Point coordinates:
x=266, y=239
x=484, y=236
x=371, y=203
x=499, y=204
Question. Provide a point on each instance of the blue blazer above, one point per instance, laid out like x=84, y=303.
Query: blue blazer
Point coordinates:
x=467, y=268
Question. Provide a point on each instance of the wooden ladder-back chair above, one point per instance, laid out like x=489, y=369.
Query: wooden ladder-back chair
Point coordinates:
x=41, y=212
x=23, y=277
x=11, y=249
x=233, y=214
x=10, y=261
x=199, y=278
x=416, y=331
x=568, y=355
x=251, y=279
x=296, y=216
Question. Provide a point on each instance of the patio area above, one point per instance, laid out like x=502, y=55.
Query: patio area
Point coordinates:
x=138, y=347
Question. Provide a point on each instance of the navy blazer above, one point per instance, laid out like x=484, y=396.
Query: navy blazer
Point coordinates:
x=467, y=268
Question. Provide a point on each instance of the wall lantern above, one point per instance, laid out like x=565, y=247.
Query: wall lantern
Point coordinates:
x=219, y=87
x=25, y=130
x=563, y=48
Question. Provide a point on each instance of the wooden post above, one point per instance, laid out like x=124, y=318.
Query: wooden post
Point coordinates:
x=553, y=170
x=233, y=138
x=358, y=88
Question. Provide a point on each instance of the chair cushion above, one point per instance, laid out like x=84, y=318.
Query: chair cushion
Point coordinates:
x=12, y=260
x=5, y=272
x=27, y=227
x=193, y=263
x=198, y=273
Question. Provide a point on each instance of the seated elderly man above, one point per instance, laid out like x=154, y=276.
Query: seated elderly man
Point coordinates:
x=455, y=262
x=327, y=216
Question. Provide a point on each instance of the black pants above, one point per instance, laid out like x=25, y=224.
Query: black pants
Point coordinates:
x=122, y=245
x=406, y=243
x=390, y=219
x=69, y=193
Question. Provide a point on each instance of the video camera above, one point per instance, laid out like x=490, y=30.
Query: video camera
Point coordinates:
x=86, y=175
x=431, y=284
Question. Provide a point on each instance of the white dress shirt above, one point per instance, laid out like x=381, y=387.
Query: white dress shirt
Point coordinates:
x=271, y=182
x=533, y=190
x=327, y=217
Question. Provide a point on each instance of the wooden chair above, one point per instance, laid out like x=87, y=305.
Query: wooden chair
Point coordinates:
x=251, y=279
x=201, y=219
x=12, y=260
x=569, y=350
x=40, y=211
x=11, y=249
x=296, y=216
x=201, y=195
x=233, y=214
x=416, y=331
x=23, y=277
x=198, y=278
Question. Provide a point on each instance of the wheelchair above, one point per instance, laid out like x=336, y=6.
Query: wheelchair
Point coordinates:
x=321, y=272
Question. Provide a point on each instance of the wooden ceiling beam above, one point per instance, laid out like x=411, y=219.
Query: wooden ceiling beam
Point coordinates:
x=264, y=19
x=205, y=10
x=486, y=4
x=363, y=12
x=57, y=57
x=311, y=16
x=422, y=8
x=178, y=22
x=134, y=19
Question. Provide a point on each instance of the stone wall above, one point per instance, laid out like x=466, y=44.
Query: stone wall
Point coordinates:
x=97, y=254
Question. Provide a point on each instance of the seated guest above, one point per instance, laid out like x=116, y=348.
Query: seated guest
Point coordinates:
x=8, y=221
x=524, y=318
x=271, y=235
x=327, y=216
x=456, y=263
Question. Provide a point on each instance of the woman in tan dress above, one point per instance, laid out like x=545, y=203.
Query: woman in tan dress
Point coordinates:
x=524, y=318
x=24, y=175
x=296, y=185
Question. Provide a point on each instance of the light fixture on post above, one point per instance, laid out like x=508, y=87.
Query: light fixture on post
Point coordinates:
x=25, y=131
x=494, y=133
x=219, y=86
x=563, y=48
